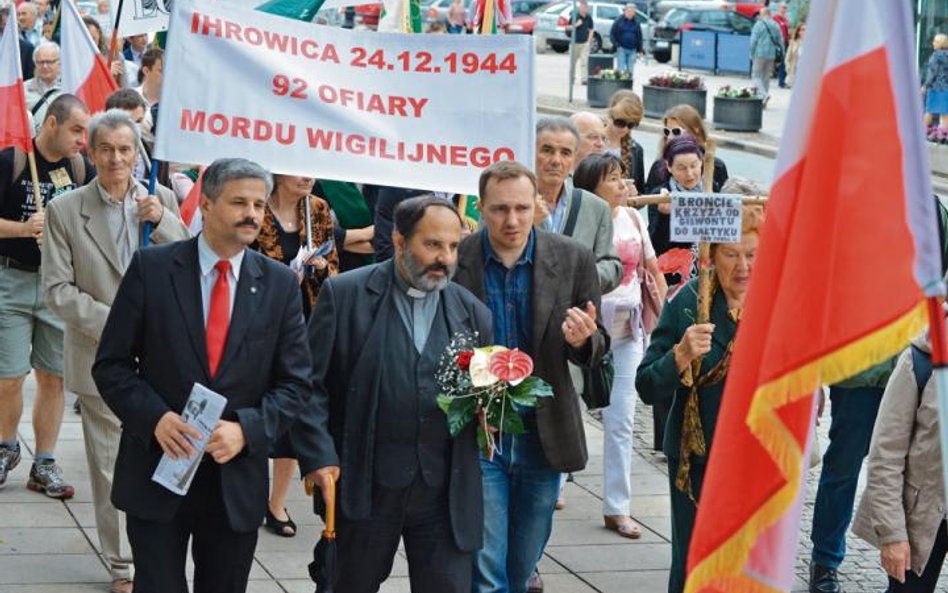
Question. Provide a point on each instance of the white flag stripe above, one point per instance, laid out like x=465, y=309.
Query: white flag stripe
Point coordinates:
x=10, y=46
x=78, y=49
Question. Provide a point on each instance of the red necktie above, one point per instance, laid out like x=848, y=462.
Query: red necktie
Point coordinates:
x=218, y=316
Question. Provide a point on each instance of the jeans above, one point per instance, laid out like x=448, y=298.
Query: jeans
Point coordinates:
x=781, y=74
x=854, y=415
x=625, y=60
x=618, y=420
x=520, y=490
x=761, y=71
x=929, y=578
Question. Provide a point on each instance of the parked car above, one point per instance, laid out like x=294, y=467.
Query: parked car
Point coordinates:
x=748, y=9
x=437, y=11
x=667, y=32
x=367, y=15
x=524, y=15
x=551, y=25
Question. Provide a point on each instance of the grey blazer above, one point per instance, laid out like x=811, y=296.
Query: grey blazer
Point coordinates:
x=904, y=498
x=81, y=272
x=594, y=230
x=564, y=275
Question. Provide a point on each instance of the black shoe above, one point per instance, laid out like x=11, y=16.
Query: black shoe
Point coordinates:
x=824, y=580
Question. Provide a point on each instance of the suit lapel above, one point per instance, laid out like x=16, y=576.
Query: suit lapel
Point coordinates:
x=185, y=280
x=248, y=298
x=545, y=272
x=93, y=210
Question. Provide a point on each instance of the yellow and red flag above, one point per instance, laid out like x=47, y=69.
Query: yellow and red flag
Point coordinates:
x=848, y=253
x=14, y=119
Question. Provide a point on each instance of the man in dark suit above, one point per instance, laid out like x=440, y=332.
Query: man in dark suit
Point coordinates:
x=543, y=292
x=377, y=336
x=205, y=311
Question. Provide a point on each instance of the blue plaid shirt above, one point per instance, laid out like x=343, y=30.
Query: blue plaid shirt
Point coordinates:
x=509, y=292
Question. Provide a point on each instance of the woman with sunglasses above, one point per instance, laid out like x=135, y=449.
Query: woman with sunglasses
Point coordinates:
x=622, y=314
x=680, y=119
x=625, y=114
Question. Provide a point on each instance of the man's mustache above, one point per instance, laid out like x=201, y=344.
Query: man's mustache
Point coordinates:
x=248, y=222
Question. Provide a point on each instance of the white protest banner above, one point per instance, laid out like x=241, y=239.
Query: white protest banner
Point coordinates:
x=713, y=218
x=419, y=111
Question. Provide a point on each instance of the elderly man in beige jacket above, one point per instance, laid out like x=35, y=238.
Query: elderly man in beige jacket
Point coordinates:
x=91, y=234
x=902, y=511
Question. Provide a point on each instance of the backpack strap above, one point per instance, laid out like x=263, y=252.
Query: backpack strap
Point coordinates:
x=78, y=166
x=574, y=204
x=19, y=165
x=922, y=367
x=42, y=101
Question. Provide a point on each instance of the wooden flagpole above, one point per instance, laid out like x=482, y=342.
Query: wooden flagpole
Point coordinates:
x=704, y=259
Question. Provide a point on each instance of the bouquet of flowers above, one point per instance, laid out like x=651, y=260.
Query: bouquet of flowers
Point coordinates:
x=486, y=385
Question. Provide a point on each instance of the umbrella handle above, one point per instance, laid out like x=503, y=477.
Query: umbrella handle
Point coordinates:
x=330, y=531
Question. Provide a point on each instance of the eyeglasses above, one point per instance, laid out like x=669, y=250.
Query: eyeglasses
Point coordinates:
x=624, y=123
x=46, y=62
x=672, y=131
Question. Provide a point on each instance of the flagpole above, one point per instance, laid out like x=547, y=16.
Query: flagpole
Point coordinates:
x=704, y=258
x=152, y=182
x=113, y=42
x=939, y=355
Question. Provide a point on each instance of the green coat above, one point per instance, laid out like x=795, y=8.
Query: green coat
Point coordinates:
x=657, y=379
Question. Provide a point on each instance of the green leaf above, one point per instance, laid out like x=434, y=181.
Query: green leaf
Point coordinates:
x=481, y=439
x=513, y=423
x=444, y=402
x=459, y=411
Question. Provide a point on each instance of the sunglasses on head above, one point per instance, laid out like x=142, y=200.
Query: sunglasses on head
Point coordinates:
x=624, y=123
x=672, y=131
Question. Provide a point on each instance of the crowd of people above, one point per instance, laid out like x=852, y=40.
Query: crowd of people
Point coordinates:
x=320, y=309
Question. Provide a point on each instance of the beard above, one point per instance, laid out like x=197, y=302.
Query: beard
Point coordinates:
x=418, y=273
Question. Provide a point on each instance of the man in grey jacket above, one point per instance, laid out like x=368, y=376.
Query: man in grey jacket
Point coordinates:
x=573, y=212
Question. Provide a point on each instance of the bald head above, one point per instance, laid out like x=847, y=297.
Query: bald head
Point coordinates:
x=592, y=134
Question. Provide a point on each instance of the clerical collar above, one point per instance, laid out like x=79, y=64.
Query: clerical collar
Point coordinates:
x=411, y=291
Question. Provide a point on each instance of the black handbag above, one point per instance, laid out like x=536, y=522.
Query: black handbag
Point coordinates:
x=597, y=383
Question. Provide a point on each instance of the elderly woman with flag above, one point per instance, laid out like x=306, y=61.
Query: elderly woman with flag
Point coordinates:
x=687, y=363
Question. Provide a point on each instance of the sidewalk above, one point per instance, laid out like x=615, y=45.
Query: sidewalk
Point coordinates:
x=48, y=546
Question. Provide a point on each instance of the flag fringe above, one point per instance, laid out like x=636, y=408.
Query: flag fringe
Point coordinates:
x=722, y=570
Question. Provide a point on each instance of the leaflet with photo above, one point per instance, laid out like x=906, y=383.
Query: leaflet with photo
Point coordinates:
x=202, y=411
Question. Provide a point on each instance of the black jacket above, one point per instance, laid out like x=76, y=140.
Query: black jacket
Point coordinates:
x=153, y=350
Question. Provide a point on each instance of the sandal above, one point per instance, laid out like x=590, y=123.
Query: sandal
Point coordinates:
x=622, y=525
x=280, y=527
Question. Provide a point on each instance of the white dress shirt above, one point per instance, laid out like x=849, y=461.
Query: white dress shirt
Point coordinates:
x=207, y=259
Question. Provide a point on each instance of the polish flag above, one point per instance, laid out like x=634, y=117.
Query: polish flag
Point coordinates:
x=84, y=71
x=848, y=256
x=191, y=207
x=14, y=121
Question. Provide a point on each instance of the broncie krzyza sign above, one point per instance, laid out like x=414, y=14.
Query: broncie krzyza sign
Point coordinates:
x=420, y=111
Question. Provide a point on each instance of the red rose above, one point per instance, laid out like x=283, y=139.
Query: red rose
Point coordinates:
x=464, y=359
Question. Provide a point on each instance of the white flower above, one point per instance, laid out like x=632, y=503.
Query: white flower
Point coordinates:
x=480, y=366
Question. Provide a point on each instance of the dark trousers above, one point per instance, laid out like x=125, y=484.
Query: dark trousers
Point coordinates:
x=854, y=415
x=925, y=583
x=683, y=512
x=418, y=514
x=781, y=74
x=222, y=557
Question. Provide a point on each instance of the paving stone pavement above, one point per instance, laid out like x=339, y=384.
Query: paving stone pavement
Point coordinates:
x=48, y=546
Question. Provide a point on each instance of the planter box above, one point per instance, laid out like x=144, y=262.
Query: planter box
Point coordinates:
x=599, y=91
x=738, y=115
x=658, y=99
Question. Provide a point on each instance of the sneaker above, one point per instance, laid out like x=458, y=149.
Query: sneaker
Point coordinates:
x=9, y=459
x=47, y=477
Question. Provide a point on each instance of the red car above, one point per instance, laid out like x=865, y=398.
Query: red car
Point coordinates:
x=368, y=15
x=524, y=15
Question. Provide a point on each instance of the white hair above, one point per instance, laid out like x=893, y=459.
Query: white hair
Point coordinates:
x=46, y=45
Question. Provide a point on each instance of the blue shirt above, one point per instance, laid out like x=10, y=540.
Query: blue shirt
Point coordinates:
x=556, y=220
x=509, y=292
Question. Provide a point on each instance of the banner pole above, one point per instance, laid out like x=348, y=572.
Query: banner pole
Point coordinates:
x=113, y=42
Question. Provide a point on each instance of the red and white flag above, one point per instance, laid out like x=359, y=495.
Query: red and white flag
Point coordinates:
x=84, y=71
x=848, y=253
x=191, y=206
x=14, y=121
